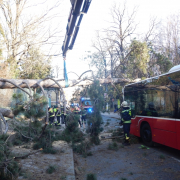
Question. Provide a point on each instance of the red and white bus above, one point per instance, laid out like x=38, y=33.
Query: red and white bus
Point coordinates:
x=155, y=105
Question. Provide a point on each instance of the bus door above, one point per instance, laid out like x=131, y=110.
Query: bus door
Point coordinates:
x=134, y=125
x=164, y=124
x=165, y=132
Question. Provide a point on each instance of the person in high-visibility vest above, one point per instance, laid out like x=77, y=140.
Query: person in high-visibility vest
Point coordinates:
x=51, y=115
x=58, y=115
x=126, y=121
x=55, y=112
x=62, y=115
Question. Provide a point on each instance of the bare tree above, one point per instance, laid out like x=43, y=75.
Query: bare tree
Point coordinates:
x=122, y=28
x=99, y=57
x=164, y=44
x=113, y=45
x=151, y=33
x=22, y=29
x=172, y=38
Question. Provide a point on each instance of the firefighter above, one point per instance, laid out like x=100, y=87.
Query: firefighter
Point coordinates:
x=83, y=115
x=76, y=111
x=126, y=121
x=55, y=112
x=58, y=115
x=62, y=115
x=51, y=115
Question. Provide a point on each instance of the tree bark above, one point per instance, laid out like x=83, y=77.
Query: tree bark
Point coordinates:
x=6, y=113
x=33, y=83
x=6, y=124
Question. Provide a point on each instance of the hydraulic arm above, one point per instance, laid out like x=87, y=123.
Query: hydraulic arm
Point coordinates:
x=76, y=14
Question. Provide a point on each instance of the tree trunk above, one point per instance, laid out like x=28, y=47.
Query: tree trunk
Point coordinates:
x=33, y=83
x=6, y=113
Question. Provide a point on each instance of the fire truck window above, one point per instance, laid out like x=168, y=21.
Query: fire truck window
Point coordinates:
x=87, y=103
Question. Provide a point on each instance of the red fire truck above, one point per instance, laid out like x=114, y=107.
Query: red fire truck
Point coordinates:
x=155, y=105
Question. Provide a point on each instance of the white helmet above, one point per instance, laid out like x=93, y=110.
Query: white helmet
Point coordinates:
x=124, y=104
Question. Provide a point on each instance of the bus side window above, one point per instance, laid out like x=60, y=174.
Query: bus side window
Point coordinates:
x=150, y=110
x=132, y=106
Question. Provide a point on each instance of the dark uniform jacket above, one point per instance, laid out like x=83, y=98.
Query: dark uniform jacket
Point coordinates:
x=126, y=115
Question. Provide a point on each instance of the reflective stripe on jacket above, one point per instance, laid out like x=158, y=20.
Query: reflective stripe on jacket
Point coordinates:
x=58, y=113
x=51, y=112
x=76, y=112
x=55, y=110
x=126, y=115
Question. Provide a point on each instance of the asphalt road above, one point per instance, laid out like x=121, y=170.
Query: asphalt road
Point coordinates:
x=161, y=148
x=128, y=163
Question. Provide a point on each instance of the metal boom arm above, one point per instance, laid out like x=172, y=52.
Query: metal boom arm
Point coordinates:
x=73, y=16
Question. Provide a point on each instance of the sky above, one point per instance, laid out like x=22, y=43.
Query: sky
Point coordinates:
x=97, y=18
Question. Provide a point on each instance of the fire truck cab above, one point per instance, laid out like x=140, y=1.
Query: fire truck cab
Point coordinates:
x=86, y=102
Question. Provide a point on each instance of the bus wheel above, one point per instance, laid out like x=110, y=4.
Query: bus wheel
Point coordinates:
x=146, y=134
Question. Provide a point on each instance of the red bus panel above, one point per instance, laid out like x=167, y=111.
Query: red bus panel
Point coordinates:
x=178, y=133
x=164, y=131
x=165, y=124
x=164, y=137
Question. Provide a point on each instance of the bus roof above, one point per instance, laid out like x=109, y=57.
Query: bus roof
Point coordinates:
x=172, y=70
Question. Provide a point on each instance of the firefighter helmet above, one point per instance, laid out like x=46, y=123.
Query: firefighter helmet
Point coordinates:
x=124, y=104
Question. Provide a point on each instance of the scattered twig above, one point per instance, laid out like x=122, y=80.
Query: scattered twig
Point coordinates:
x=8, y=138
x=26, y=155
x=24, y=135
x=4, y=163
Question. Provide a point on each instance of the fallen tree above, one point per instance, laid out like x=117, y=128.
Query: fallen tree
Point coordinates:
x=49, y=83
x=6, y=112
x=21, y=84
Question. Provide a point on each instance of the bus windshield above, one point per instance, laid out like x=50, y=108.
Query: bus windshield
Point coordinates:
x=157, y=96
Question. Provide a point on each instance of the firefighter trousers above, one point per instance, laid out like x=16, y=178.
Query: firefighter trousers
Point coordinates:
x=126, y=128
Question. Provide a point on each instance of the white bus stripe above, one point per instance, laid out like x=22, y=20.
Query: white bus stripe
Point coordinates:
x=158, y=118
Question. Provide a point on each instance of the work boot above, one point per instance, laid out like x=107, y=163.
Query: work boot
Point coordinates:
x=58, y=124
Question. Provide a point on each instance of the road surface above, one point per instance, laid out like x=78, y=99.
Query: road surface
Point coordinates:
x=128, y=163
